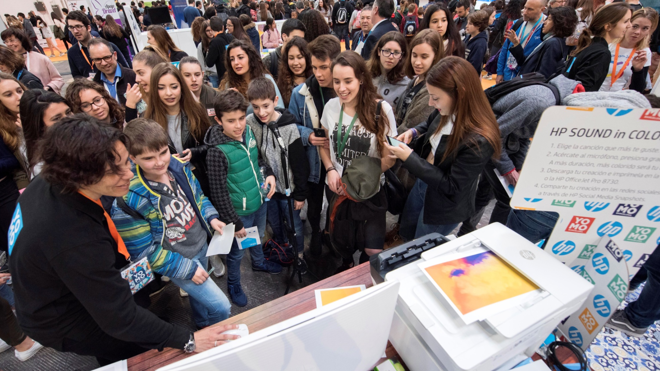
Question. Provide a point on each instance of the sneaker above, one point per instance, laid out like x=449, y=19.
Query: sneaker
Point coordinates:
x=488, y=77
x=62, y=54
x=302, y=265
x=216, y=263
x=268, y=266
x=183, y=293
x=620, y=322
x=165, y=279
x=4, y=346
x=24, y=356
x=237, y=295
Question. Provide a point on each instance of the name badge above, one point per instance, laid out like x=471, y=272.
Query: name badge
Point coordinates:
x=211, y=112
x=138, y=275
x=92, y=75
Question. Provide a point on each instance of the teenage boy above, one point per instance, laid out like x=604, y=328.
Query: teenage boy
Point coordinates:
x=290, y=28
x=476, y=39
x=166, y=217
x=262, y=97
x=233, y=164
x=307, y=102
x=341, y=14
x=218, y=45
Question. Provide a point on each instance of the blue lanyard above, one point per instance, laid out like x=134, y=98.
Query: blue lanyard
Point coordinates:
x=19, y=75
x=571, y=66
x=522, y=35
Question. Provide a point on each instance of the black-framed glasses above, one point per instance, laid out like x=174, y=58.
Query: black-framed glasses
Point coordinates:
x=78, y=27
x=86, y=107
x=387, y=53
x=106, y=59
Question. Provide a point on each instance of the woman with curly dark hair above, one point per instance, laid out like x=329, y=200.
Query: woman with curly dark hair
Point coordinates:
x=88, y=97
x=387, y=66
x=512, y=11
x=244, y=65
x=315, y=24
x=550, y=55
x=439, y=18
x=296, y=67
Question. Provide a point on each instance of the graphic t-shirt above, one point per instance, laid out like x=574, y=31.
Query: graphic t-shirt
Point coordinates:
x=391, y=92
x=183, y=230
x=360, y=141
x=624, y=81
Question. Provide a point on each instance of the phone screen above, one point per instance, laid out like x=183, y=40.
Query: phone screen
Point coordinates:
x=393, y=142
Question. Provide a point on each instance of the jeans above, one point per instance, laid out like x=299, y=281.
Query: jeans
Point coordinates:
x=214, y=80
x=7, y=293
x=342, y=33
x=646, y=310
x=208, y=303
x=278, y=209
x=258, y=219
x=531, y=224
x=412, y=219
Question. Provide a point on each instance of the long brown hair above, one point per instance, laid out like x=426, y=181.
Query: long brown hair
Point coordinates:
x=586, y=9
x=285, y=78
x=397, y=73
x=239, y=32
x=609, y=14
x=198, y=121
x=257, y=68
x=206, y=40
x=367, y=96
x=165, y=44
x=473, y=115
x=79, y=85
x=197, y=29
x=111, y=27
x=10, y=132
x=263, y=12
x=434, y=40
x=11, y=59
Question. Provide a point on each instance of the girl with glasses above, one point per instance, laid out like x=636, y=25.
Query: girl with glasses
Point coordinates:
x=387, y=66
x=88, y=97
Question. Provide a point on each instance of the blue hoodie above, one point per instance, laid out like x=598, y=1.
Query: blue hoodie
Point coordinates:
x=534, y=41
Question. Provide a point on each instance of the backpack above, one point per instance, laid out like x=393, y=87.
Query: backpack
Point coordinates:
x=496, y=92
x=342, y=13
x=410, y=27
x=274, y=64
x=276, y=253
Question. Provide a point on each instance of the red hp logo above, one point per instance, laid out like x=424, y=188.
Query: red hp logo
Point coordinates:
x=580, y=224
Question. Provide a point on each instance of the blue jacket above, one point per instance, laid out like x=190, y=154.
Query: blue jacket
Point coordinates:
x=302, y=107
x=251, y=30
x=189, y=14
x=535, y=40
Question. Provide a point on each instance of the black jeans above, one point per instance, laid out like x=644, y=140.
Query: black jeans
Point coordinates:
x=8, y=196
x=35, y=42
x=104, y=347
x=481, y=199
x=645, y=310
x=315, y=202
x=10, y=331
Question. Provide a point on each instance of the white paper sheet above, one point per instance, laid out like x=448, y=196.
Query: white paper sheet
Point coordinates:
x=252, y=238
x=221, y=243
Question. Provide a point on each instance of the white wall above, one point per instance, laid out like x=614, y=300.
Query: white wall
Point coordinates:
x=14, y=7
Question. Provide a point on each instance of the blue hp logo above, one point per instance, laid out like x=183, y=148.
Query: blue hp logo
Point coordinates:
x=575, y=336
x=654, y=214
x=578, y=268
x=602, y=306
x=610, y=229
x=618, y=112
x=627, y=255
x=15, y=227
x=596, y=206
x=529, y=199
x=600, y=263
x=563, y=247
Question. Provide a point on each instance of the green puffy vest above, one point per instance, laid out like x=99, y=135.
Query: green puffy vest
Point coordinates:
x=243, y=176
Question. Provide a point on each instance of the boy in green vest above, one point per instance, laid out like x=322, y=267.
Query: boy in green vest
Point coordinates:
x=233, y=165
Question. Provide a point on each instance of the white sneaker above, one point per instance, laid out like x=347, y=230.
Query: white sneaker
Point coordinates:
x=4, y=346
x=183, y=293
x=216, y=263
x=24, y=356
x=165, y=279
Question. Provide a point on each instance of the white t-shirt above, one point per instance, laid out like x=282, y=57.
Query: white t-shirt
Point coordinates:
x=624, y=81
x=360, y=142
x=435, y=138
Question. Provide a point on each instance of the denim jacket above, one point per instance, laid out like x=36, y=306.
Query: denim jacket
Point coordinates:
x=302, y=107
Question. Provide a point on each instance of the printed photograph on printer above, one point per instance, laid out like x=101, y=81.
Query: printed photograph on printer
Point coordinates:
x=478, y=281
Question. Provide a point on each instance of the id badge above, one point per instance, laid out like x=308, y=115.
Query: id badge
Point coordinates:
x=138, y=275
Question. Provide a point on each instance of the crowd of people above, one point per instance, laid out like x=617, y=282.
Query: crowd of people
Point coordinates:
x=146, y=156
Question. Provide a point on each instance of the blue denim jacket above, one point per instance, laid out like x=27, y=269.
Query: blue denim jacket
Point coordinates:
x=302, y=107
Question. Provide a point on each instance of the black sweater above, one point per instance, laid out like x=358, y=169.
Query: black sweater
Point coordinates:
x=548, y=59
x=216, y=53
x=66, y=272
x=590, y=66
x=475, y=50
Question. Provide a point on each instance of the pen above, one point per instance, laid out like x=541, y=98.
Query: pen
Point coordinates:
x=211, y=270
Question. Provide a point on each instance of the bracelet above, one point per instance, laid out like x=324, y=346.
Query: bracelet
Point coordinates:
x=415, y=134
x=330, y=169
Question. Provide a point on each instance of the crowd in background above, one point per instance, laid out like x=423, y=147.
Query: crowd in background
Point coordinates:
x=146, y=154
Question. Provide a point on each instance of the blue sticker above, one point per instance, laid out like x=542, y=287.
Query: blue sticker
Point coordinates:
x=248, y=242
x=654, y=214
x=618, y=112
x=627, y=254
x=600, y=263
x=575, y=336
x=596, y=206
x=602, y=306
x=610, y=229
x=15, y=227
x=563, y=247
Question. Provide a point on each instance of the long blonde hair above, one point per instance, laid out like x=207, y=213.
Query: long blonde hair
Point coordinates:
x=652, y=16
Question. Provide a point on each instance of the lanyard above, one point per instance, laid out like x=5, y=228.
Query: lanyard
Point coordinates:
x=322, y=98
x=616, y=76
x=19, y=75
x=341, y=142
x=85, y=55
x=524, y=39
x=121, y=246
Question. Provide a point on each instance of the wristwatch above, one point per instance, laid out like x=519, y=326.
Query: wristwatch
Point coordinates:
x=190, y=345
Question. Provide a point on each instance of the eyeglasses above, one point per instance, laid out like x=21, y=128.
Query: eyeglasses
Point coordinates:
x=106, y=59
x=78, y=27
x=387, y=53
x=98, y=101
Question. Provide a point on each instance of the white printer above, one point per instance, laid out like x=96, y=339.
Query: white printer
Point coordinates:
x=429, y=335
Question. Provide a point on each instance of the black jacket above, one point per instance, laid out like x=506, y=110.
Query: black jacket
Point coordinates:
x=81, y=66
x=475, y=50
x=197, y=150
x=66, y=272
x=216, y=54
x=207, y=99
x=356, y=39
x=590, y=66
x=177, y=56
x=547, y=59
x=375, y=35
x=28, y=79
x=127, y=77
x=243, y=9
x=119, y=41
x=452, y=183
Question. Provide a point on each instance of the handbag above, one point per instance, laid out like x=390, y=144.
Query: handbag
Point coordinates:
x=58, y=33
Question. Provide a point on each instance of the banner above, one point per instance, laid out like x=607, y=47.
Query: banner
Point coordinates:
x=75, y=4
x=599, y=168
x=177, y=9
x=135, y=29
x=105, y=7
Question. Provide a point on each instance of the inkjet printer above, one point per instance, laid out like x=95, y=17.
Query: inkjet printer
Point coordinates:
x=428, y=332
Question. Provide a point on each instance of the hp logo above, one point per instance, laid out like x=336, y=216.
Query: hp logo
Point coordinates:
x=596, y=206
x=563, y=247
x=610, y=229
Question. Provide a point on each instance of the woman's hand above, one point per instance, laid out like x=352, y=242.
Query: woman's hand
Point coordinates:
x=4, y=277
x=334, y=182
x=406, y=137
x=186, y=155
x=217, y=225
x=402, y=151
x=212, y=336
x=270, y=181
x=319, y=141
x=133, y=95
x=639, y=60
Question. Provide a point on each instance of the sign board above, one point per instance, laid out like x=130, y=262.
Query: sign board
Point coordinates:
x=75, y=4
x=104, y=8
x=602, y=266
x=177, y=9
x=135, y=30
x=599, y=168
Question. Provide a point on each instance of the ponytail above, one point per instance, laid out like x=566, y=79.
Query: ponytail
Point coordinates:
x=583, y=41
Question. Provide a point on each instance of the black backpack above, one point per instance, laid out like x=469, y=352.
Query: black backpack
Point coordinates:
x=496, y=92
x=410, y=27
x=342, y=13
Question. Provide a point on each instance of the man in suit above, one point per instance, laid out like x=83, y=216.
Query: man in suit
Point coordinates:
x=380, y=18
x=112, y=76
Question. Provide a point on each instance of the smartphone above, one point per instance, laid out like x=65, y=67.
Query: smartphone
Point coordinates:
x=319, y=132
x=393, y=142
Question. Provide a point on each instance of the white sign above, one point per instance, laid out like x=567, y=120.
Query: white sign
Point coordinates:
x=599, y=168
x=75, y=4
x=104, y=8
x=135, y=29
